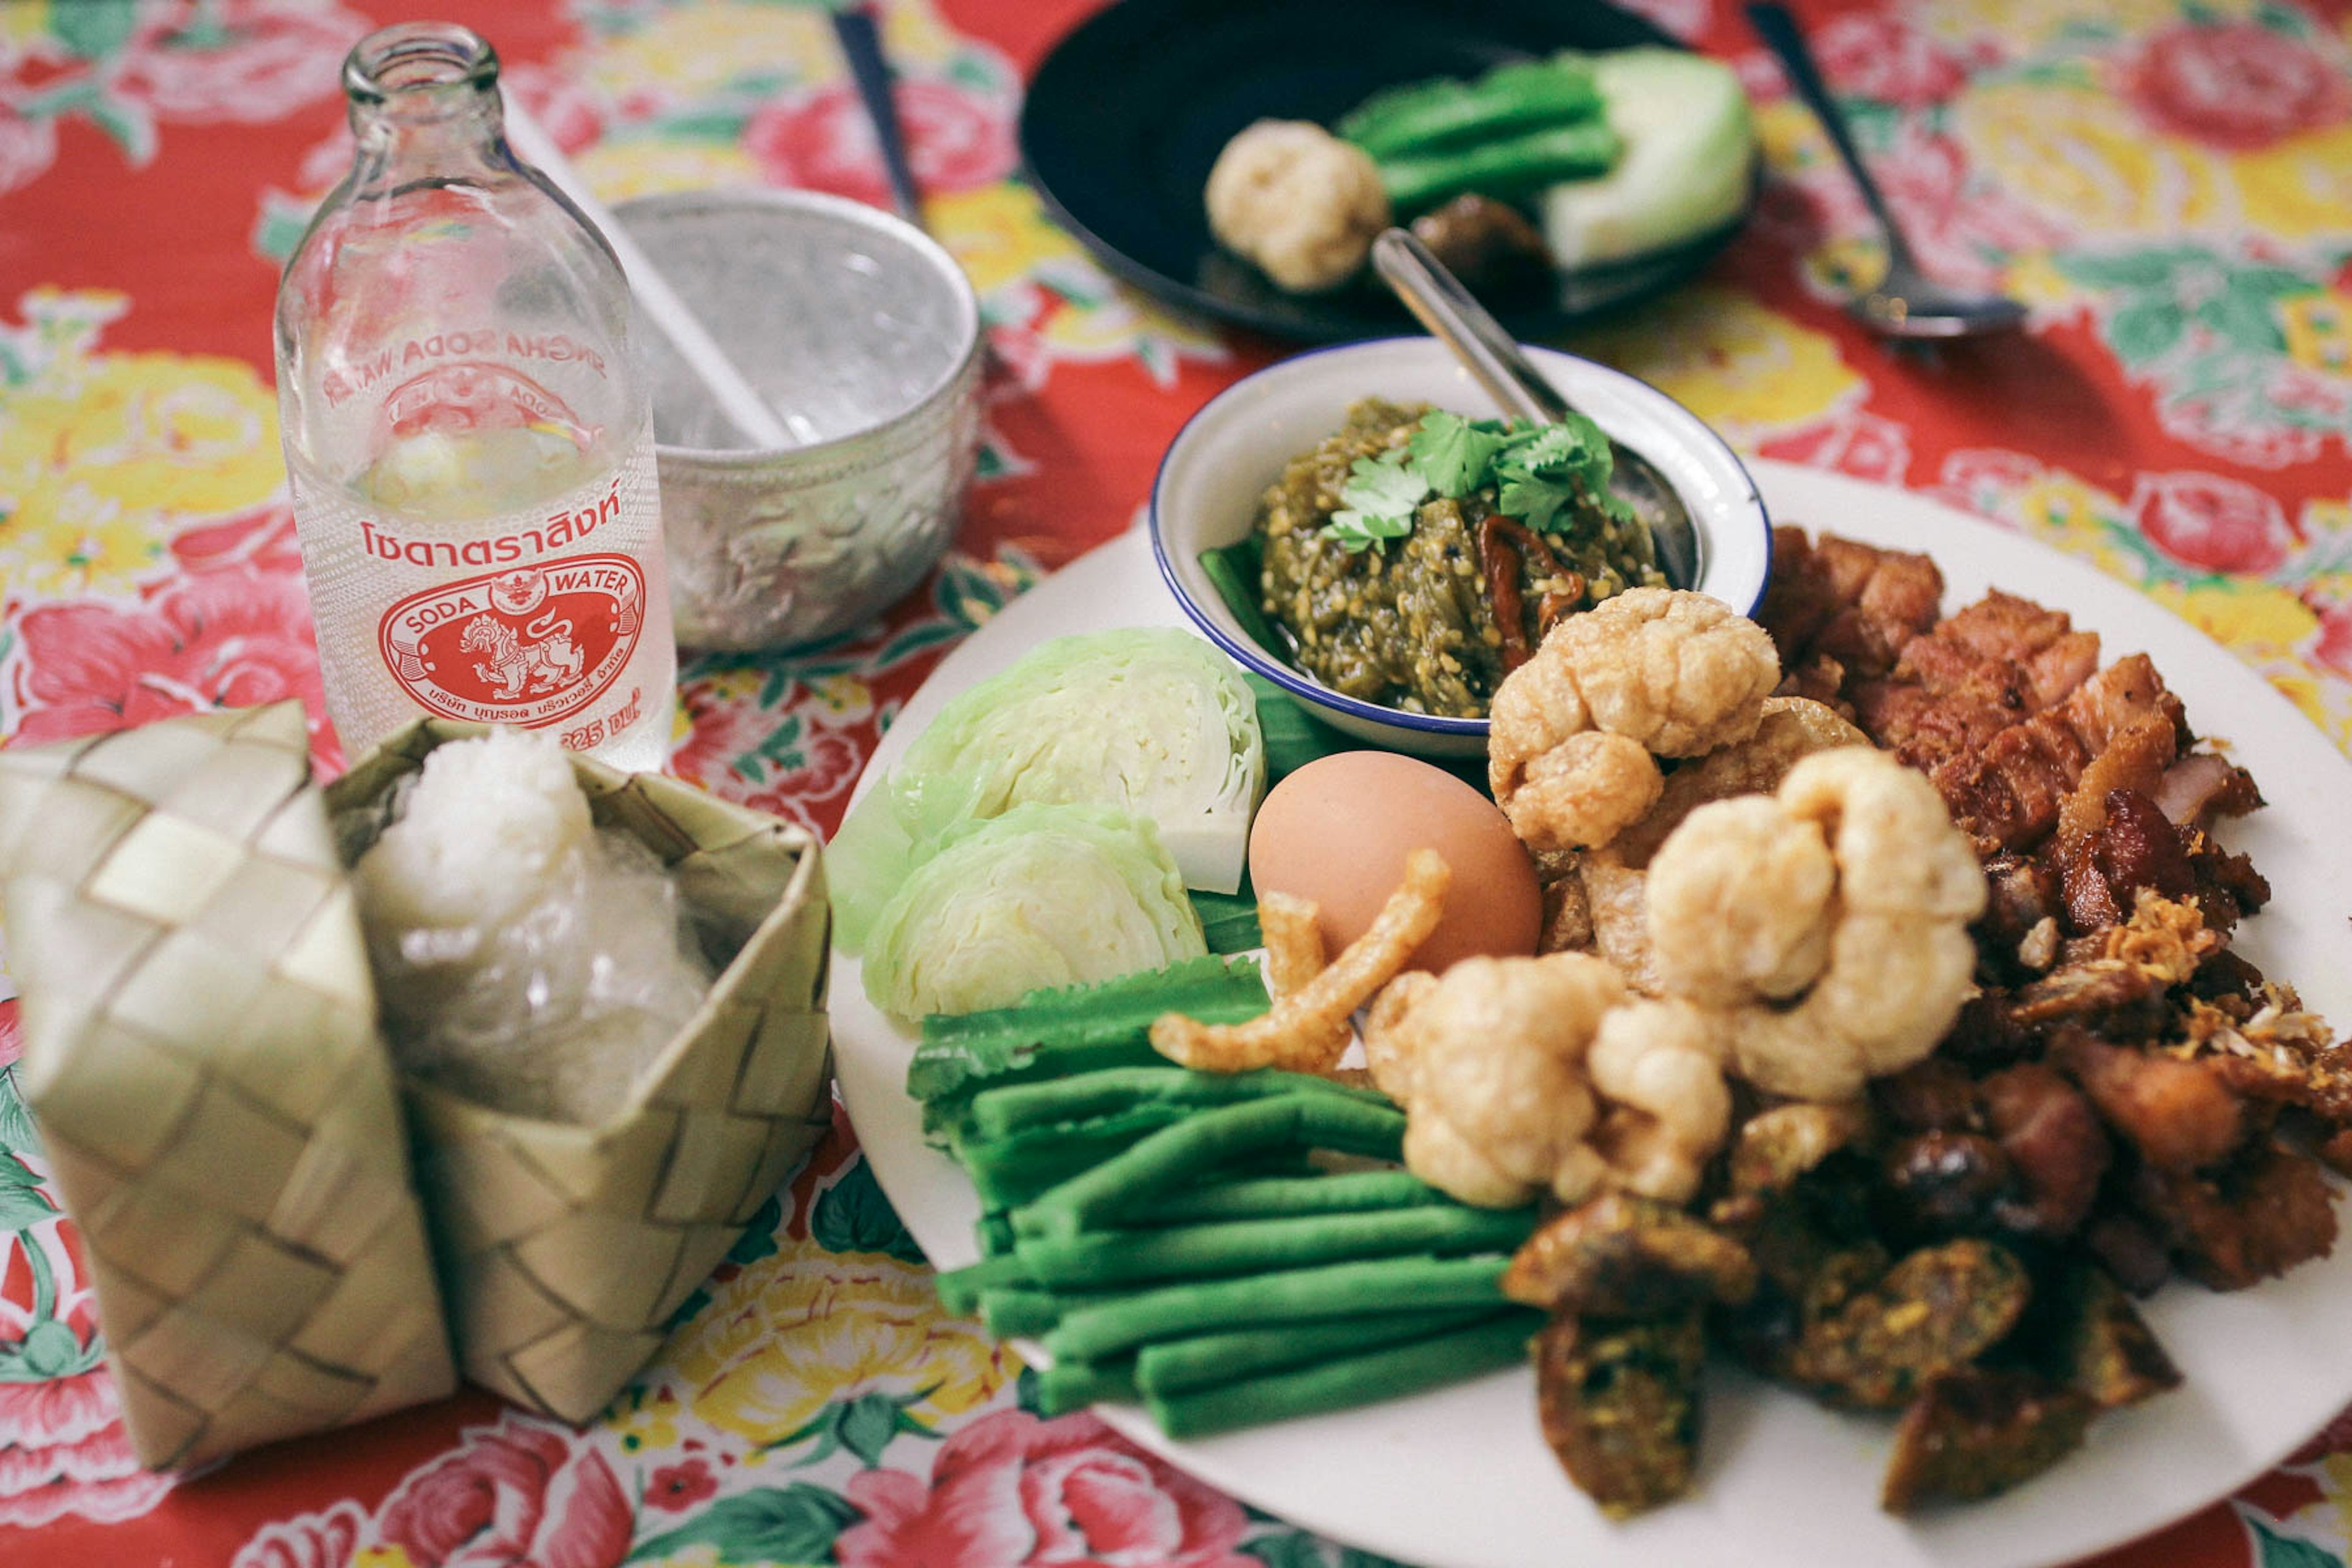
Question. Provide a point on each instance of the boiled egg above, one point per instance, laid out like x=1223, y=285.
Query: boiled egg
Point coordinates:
x=1338, y=832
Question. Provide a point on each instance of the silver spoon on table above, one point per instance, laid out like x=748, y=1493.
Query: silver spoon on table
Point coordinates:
x=1906, y=303
x=1492, y=357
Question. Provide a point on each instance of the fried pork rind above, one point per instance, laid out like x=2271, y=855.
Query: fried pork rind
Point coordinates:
x=1660, y=1065
x=1792, y=728
x=1498, y=1063
x=1488, y=1062
x=1898, y=959
x=1306, y=1028
x=1293, y=930
x=1652, y=672
x=1733, y=944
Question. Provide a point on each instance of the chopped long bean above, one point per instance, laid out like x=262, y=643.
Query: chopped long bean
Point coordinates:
x=1503, y=168
x=1073, y=1384
x=1176, y=1366
x=1204, y=1141
x=1428, y=115
x=1313, y=1390
x=1020, y=1108
x=960, y=1289
x=1331, y=1290
x=1273, y=1197
x=1234, y=1246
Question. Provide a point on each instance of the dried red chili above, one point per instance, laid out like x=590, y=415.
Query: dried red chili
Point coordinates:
x=1505, y=547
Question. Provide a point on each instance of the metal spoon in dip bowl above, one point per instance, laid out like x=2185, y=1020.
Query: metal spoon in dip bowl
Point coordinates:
x=1454, y=316
x=1906, y=303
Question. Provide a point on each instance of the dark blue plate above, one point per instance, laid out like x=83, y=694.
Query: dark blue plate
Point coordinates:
x=1130, y=110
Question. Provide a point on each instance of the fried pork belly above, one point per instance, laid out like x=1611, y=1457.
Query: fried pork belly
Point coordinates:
x=1853, y=606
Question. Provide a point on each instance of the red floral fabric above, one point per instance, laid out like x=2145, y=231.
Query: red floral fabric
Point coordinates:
x=2168, y=184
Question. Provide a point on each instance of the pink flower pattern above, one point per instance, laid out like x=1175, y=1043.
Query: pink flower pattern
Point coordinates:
x=955, y=141
x=66, y=1454
x=218, y=639
x=275, y=56
x=325, y=1540
x=2212, y=522
x=1010, y=1490
x=1883, y=57
x=521, y=1494
x=2236, y=86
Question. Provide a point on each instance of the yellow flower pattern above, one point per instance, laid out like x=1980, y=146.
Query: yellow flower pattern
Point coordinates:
x=804, y=1329
x=104, y=456
x=1000, y=235
x=687, y=52
x=2318, y=328
x=2301, y=188
x=1730, y=360
x=2077, y=154
x=617, y=170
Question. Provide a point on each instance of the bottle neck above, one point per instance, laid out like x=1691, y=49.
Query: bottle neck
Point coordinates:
x=423, y=101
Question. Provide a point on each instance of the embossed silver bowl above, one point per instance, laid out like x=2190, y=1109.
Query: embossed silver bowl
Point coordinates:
x=864, y=335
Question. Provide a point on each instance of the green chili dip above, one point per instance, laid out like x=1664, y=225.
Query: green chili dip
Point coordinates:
x=1413, y=622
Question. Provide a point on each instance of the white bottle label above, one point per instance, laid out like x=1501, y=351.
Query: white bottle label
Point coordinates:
x=555, y=617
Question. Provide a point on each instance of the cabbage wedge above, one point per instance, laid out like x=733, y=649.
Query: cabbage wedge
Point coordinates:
x=1041, y=896
x=1153, y=723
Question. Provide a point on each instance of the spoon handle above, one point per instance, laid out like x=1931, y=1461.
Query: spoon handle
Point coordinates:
x=1455, y=319
x=1781, y=35
x=861, y=42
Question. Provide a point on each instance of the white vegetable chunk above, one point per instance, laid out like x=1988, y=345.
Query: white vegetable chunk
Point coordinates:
x=1690, y=155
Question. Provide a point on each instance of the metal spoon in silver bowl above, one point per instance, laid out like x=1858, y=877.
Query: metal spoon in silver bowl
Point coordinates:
x=1454, y=316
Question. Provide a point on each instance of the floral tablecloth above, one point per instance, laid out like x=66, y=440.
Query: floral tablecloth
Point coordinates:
x=2167, y=182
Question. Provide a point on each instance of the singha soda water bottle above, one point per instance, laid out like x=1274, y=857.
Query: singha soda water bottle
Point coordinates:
x=468, y=441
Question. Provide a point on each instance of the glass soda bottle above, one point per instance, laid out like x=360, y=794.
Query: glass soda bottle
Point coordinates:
x=469, y=439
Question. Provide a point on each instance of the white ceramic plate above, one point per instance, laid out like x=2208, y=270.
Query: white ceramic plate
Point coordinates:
x=1461, y=1478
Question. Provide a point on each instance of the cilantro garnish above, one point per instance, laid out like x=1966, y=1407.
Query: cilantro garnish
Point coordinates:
x=1379, y=501
x=1543, y=475
x=1455, y=452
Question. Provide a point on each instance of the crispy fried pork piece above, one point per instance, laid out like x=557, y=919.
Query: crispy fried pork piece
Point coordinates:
x=2094, y=1340
x=1937, y=1310
x=1974, y=1432
x=2128, y=1249
x=1618, y=1399
x=1567, y=909
x=2261, y=1216
x=2021, y=892
x=2115, y=997
x=2178, y=1115
x=2202, y=786
x=1935, y=1094
x=1619, y=1256
x=1487, y=245
x=2228, y=886
x=1774, y=1148
x=1940, y=1182
x=1988, y=1034
x=1845, y=601
x=2056, y=1148
x=2010, y=787
x=2134, y=845
x=2266, y=1048
x=2043, y=642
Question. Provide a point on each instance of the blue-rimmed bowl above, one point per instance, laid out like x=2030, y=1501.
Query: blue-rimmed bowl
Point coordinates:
x=1222, y=462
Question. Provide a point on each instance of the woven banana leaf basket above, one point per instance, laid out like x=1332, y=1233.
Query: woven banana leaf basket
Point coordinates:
x=565, y=1250
x=201, y=1057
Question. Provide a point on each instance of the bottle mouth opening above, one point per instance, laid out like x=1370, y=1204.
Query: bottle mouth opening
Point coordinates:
x=418, y=58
